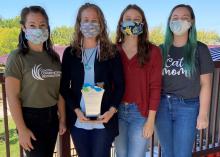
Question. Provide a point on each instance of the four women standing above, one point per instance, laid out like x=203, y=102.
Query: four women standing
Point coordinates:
x=130, y=74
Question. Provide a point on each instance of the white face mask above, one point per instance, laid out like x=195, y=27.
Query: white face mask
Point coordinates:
x=36, y=36
x=179, y=27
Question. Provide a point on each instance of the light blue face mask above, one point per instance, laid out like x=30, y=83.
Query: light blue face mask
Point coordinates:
x=179, y=27
x=36, y=36
x=90, y=29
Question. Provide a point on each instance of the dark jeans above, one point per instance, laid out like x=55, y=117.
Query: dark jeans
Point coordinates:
x=44, y=124
x=176, y=125
x=92, y=143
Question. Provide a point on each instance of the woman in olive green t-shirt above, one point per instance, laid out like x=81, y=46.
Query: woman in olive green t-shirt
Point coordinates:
x=33, y=74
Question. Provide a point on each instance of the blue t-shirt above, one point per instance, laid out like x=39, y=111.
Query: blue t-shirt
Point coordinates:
x=89, y=60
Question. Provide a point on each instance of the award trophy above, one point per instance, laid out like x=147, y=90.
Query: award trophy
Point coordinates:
x=92, y=96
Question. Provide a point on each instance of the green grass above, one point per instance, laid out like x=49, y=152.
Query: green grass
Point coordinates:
x=14, y=146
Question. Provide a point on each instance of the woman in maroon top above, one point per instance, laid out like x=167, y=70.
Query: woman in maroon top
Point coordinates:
x=142, y=64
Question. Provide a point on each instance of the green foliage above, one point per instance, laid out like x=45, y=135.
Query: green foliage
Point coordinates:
x=113, y=37
x=10, y=28
x=13, y=138
x=10, y=23
x=8, y=39
x=9, y=31
x=62, y=35
x=156, y=35
x=208, y=37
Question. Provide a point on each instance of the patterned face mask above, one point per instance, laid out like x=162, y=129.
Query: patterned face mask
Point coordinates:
x=36, y=36
x=89, y=29
x=179, y=27
x=132, y=28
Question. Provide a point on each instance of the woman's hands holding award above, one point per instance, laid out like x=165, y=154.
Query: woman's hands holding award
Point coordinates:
x=108, y=115
x=92, y=96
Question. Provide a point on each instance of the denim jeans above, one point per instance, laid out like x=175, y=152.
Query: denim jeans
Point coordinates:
x=176, y=125
x=91, y=143
x=130, y=142
x=44, y=124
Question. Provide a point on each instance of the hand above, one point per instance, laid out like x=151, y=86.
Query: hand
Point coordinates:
x=62, y=127
x=148, y=129
x=202, y=121
x=25, y=136
x=107, y=115
x=80, y=115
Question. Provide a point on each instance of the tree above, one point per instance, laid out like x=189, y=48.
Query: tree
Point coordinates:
x=156, y=35
x=10, y=28
x=113, y=37
x=10, y=23
x=8, y=39
x=208, y=37
x=62, y=35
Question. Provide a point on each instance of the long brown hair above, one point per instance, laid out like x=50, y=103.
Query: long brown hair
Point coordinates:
x=47, y=45
x=143, y=39
x=106, y=47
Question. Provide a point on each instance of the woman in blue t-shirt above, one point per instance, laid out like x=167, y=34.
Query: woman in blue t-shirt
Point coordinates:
x=187, y=82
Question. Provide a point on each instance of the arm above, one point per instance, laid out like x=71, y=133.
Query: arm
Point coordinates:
x=206, y=70
x=12, y=92
x=205, y=97
x=65, y=84
x=118, y=81
x=119, y=87
x=155, y=90
x=149, y=125
x=62, y=115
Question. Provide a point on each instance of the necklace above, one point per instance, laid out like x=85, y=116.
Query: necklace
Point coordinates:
x=86, y=64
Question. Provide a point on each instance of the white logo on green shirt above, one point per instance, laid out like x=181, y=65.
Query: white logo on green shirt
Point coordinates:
x=39, y=73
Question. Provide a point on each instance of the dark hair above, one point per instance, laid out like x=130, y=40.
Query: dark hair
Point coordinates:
x=143, y=39
x=47, y=45
x=106, y=47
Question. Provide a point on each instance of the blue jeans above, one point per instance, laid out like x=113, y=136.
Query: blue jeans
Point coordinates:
x=176, y=125
x=92, y=143
x=130, y=142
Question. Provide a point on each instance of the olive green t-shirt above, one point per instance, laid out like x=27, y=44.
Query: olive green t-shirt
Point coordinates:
x=39, y=77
